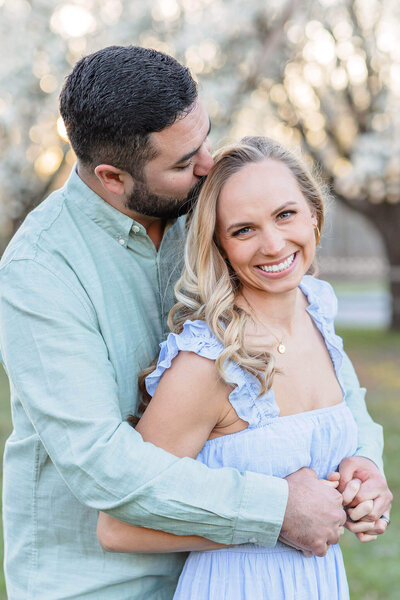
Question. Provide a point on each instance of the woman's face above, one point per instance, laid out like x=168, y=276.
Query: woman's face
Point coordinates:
x=265, y=227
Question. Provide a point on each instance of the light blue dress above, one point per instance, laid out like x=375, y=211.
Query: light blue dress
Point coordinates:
x=272, y=445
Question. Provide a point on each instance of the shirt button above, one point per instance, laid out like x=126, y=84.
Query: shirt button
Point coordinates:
x=122, y=241
x=253, y=540
x=136, y=229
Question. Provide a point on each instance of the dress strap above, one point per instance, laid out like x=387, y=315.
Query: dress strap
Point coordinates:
x=196, y=337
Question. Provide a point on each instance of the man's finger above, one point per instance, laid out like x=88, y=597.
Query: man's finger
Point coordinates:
x=366, y=537
x=361, y=527
x=381, y=506
x=378, y=527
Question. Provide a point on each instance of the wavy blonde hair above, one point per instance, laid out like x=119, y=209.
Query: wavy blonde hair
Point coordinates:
x=208, y=287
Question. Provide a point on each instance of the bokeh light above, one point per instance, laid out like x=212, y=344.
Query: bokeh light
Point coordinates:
x=71, y=20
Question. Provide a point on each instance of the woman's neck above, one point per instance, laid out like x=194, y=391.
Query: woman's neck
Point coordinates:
x=275, y=310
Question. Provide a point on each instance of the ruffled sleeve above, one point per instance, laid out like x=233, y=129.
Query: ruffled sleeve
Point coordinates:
x=196, y=337
x=321, y=297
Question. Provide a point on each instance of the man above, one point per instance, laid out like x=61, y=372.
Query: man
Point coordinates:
x=86, y=286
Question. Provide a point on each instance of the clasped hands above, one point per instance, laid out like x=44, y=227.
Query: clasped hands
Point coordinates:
x=318, y=510
x=366, y=497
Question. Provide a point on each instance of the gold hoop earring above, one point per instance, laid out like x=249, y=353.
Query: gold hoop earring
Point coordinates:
x=317, y=234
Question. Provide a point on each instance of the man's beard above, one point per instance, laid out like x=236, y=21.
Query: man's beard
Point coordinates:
x=143, y=202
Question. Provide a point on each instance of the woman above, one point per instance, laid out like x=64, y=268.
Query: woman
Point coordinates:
x=250, y=376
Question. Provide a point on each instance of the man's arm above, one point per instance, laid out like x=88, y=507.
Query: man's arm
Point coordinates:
x=58, y=363
x=188, y=403
x=367, y=465
x=370, y=434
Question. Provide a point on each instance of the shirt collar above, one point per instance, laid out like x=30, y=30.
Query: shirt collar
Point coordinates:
x=98, y=210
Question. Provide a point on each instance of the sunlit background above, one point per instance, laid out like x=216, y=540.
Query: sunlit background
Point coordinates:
x=323, y=75
x=320, y=75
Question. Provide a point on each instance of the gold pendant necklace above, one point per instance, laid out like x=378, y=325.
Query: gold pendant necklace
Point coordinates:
x=281, y=348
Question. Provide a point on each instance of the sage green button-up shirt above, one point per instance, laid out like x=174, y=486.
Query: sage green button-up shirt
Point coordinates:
x=84, y=297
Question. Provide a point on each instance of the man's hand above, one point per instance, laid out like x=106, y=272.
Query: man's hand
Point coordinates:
x=314, y=516
x=371, y=500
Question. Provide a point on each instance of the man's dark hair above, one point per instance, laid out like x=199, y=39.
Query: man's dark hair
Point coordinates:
x=113, y=99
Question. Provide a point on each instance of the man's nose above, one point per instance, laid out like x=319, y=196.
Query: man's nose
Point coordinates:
x=204, y=161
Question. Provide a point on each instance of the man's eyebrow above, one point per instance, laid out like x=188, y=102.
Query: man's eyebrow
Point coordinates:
x=190, y=154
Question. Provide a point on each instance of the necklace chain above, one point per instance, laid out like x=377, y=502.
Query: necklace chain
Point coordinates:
x=281, y=348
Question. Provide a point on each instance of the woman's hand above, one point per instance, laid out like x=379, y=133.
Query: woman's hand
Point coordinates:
x=360, y=509
x=373, y=487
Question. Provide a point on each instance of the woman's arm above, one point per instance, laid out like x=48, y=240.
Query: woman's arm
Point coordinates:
x=116, y=536
x=189, y=401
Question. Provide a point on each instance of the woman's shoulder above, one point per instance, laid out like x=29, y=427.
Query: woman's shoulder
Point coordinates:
x=320, y=295
x=195, y=343
x=196, y=338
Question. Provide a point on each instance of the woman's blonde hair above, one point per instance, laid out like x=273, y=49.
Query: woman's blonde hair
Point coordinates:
x=208, y=286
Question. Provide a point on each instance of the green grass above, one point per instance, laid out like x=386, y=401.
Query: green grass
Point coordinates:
x=373, y=569
x=358, y=287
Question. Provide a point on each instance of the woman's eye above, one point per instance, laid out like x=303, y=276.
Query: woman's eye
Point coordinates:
x=286, y=214
x=241, y=231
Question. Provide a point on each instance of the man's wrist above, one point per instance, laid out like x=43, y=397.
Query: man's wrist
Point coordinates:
x=262, y=510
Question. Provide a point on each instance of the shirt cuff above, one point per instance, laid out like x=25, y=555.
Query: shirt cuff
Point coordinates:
x=373, y=447
x=262, y=510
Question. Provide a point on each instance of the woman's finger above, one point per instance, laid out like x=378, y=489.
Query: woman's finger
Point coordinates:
x=360, y=511
x=333, y=476
x=350, y=491
x=333, y=484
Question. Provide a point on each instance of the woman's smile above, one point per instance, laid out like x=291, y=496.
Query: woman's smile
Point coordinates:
x=279, y=268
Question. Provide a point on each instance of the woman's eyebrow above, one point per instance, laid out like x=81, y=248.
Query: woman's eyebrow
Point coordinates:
x=273, y=214
x=237, y=226
x=283, y=206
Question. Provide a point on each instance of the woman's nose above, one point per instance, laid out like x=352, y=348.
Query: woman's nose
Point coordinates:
x=272, y=242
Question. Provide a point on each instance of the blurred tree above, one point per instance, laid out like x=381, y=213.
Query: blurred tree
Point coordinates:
x=324, y=74
x=335, y=90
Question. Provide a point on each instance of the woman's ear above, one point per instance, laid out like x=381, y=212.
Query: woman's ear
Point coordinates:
x=112, y=179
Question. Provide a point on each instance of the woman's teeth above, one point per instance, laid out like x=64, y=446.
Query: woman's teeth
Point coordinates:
x=277, y=268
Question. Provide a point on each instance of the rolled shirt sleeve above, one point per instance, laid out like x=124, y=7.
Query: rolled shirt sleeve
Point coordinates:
x=58, y=362
x=370, y=434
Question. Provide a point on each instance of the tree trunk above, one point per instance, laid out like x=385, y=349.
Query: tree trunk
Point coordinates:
x=386, y=217
x=395, y=290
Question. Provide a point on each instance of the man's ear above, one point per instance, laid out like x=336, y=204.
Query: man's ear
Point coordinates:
x=112, y=179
